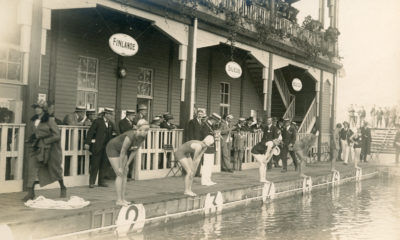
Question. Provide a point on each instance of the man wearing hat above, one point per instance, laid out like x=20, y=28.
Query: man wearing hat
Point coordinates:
x=258, y=125
x=166, y=123
x=288, y=140
x=126, y=124
x=156, y=122
x=271, y=132
x=226, y=143
x=141, y=114
x=76, y=118
x=209, y=128
x=101, y=130
x=90, y=117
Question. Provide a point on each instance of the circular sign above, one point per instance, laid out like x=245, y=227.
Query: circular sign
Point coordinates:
x=123, y=44
x=297, y=85
x=233, y=69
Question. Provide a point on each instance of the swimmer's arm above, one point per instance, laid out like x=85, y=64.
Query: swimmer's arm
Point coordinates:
x=198, y=151
x=124, y=150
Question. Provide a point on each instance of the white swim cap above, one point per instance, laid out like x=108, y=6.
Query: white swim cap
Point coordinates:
x=209, y=140
x=142, y=122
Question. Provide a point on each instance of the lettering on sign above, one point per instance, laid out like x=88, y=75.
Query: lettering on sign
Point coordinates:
x=233, y=69
x=297, y=85
x=130, y=219
x=123, y=44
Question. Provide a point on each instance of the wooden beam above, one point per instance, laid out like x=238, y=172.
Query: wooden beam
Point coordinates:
x=54, y=35
x=210, y=80
x=268, y=98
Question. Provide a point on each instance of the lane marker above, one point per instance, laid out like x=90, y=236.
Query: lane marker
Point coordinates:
x=268, y=191
x=307, y=184
x=130, y=219
x=213, y=203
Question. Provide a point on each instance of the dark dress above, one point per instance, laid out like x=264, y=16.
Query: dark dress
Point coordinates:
x=114, y=146
x=45, y=156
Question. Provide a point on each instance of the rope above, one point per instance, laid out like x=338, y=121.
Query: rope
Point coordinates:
x=187, y=212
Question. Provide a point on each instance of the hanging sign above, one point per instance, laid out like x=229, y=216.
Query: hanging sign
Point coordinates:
x=297, y=85
x=233, y=69
x=123, y=44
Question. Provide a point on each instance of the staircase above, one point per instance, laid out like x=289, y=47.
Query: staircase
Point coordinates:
x=382, y=140
x=309, y=119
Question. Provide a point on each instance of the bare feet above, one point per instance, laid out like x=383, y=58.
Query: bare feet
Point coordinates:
x=121, y=203
x=190, y=194
x=126, y=202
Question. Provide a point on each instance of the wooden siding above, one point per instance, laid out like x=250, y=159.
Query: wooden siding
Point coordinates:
x=203, y=57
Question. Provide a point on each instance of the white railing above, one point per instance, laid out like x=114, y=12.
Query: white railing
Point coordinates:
x=282, y=88
x=248, y=160
x=11, y=157
x=309, y=118
x=152, y=160
x=75, y=159
x=291, y=110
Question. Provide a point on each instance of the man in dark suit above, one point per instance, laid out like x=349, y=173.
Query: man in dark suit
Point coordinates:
x=102, y=130
x=365, y=141
x=288, y=141
x=166, y=124
x=271, y=132
x=126, y=124
x=76, y=118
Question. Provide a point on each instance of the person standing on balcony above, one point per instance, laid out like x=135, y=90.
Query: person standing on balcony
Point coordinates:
x=393, y=117
x=226, y=143
x=379, y=116
x=102, y=130
x=45, y=156
x=166, y=124
x=239, y=147
x=271, y=132
x=396, y=143
x=387, y=116
x=365, y=142
x=126, y=124
x=76, y=118
x=288, y=141
x=121, y=151
x=184, y=155
x=262, y=152
x=210, y=127
x=345, y=135
x=141, y=114
x=362, y=115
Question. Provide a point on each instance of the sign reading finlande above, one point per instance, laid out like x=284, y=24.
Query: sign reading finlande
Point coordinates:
x=123, y=44
x=233, y=69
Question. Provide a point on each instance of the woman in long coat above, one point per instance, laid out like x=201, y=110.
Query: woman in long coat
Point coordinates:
x=45, y=157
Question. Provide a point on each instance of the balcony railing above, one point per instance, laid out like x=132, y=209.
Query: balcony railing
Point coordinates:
x=11, y=157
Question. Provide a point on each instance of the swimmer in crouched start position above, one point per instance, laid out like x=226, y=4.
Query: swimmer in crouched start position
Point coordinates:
x=183, y=155
x=263, y=152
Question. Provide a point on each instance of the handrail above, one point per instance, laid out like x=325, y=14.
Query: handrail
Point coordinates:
x=291, y=110
x=308, y=118
x=282, y=88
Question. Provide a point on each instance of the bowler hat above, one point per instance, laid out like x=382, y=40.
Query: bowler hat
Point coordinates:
x=168, y=116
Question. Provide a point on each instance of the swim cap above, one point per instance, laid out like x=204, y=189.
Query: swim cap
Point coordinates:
x=209, y=140
x=142, y=122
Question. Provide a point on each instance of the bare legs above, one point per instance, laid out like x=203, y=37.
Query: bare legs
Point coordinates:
x=120, y=181
x=190, y=169
x=262, y=159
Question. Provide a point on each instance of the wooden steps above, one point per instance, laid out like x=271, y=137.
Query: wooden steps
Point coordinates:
x=382, y=140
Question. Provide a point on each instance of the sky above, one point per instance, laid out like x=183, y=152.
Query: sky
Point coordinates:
x=370, y=46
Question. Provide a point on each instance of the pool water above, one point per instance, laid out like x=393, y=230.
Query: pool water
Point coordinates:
x=366, y=210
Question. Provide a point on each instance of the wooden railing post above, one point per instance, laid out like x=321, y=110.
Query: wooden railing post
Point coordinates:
x=3, y=152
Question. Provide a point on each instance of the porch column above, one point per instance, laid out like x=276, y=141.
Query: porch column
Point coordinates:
x=265, y=74
x=188, y=87
x=319, y=110
x=31, y=37
x=333, y=114
x=268, y=84
x=321, y=15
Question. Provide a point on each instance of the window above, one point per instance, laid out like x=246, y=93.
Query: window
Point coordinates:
x=145, y=83
x=225, y=98
x=87, y=83
x=10, y=63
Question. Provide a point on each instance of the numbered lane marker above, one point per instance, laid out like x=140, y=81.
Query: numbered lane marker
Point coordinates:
x=130, y=219
x=213, y=203
x=307, y=184
x=335, y=177
x=358, y=174
x=268, y=191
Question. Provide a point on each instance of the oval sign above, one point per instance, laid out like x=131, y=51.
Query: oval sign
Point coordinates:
x=123, y=44
x=297, y=85
x=233, y=69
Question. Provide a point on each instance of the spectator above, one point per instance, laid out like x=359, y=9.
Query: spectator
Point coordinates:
x=345, y=135
x=379, y=116
x=51, y=111
x=362, y=115
x=6, y=115
x=166, y=123
x=45, y=138
x=365, y=142
x=141, y=114
x=288, y=141
x=76, y=118
x=209, y=128
x=90, y=117
x=102, y=130
x=226, y=143
x=242, y=124
x=239, y=147
x=387, y=116
x=373, y=116
x=352, y=117
x=126, y=124
x=257, y=127
x=393, y=117
x=336, y=141
x=356, y=140
x=155, y=123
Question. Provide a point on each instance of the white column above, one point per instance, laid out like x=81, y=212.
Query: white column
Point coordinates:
x=24, y=18
x=182, y=70
x=265, y=86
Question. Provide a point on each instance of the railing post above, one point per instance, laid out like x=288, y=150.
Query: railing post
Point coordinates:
x=20, y=158
x=74, y=158
x=3, y=152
